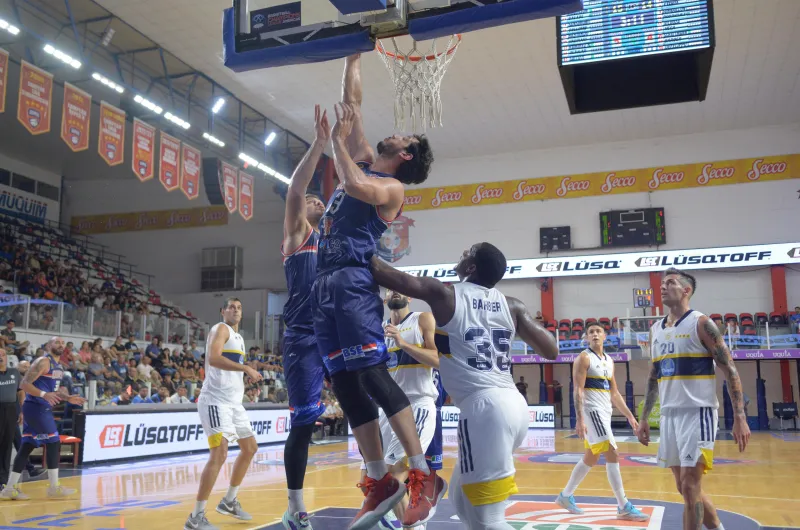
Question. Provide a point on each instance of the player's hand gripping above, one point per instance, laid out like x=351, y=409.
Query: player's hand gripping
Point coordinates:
x=643, y=433
x=345, y=117
x=321, y=126
x=581, y=430
x=52, y=398
x=392, y=332
x=741, y=432
x=252, y=373
x=76, y=400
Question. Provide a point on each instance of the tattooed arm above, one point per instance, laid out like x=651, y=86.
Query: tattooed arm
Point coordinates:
x=40, y=366
x=713, y=342
x=579, y=370
x=651, y=395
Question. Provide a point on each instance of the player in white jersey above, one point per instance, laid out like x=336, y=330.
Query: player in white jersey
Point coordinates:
x=475, y=326
x=595, y=393
x=685, y=347
x=412, y=347
x=223, y=417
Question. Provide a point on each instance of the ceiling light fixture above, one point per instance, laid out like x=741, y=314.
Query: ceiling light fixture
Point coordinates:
x=270, y=138
x=146, y=103
x=250, y=161
x=11, y=28
x=218, y=105
x=107, y=82
x=213, y=139
x=58, y=54
x=177, y=121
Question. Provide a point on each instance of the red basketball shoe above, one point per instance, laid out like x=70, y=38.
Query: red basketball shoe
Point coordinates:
x=425, y=491
x=381, y=496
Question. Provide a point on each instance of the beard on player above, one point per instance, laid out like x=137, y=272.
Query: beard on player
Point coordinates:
x=414, y=157
x=395, y=301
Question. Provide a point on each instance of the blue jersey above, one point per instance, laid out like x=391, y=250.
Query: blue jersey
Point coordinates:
x=349, y=230
x=300, y=268
x=48, y=381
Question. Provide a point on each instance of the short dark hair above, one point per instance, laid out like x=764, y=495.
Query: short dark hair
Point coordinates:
x=11, y=321
x=490, y=264
x=686, y=278
x=416, y=170
x=229, y=301
x=595, y=324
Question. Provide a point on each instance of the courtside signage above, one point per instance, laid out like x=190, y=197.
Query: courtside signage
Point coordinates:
x=541, y=417
x=631, y=263
x=114, y=437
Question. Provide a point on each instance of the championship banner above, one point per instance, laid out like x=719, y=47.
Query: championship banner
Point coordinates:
x=3, y=79
x=111, y=142
x=246, y=183
x=191, y=161
x=75, y=118
x=35, y=98
x=144, y=150
x=113, y=223
x=230, y=186
x=169, y=170
x=599, y=184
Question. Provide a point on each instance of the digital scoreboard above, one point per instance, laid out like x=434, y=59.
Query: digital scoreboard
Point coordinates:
x=643, y=297
x=627, y=228
x=615, y=29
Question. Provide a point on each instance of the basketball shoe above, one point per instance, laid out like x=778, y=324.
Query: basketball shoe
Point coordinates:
x=381, y=495
x=425, y=491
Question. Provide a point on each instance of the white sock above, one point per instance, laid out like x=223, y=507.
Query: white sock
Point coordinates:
x=377, y=469
x=296, y=503
x=577, y=476
x=232, y=491
x=615, y=479
x=52, y=474
x=199, y=507
x=419, y=462
x=13, y=478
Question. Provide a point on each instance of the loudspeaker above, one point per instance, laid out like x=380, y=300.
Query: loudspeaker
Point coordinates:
x=212, y=180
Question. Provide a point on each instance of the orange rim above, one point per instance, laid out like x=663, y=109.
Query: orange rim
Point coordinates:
x=417, y=58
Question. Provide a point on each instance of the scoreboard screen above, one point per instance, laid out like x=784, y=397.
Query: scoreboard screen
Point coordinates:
x=626, y=228
x=616, y=29
x=643, y=297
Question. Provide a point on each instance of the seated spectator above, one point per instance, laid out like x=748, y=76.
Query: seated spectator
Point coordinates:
x=105, y=397
x=180, y=396
x=96, y=368
x=187, y=372
x=162, y=396
x=732, y=329
x=196, y=395
x=11, y=339
x=118, y=347
x=152, y=350
x=196, y=353
x=66, y=359
x=143, y=396
x=250, y=396
x=131, y=347
x=166, y=364
x=123, y=398
x=110, y=373
x=169, y=384
x=120, y=365
x=133, y=372
x=145, y=369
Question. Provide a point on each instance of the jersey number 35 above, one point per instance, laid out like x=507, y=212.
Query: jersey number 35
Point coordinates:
x=491, y=348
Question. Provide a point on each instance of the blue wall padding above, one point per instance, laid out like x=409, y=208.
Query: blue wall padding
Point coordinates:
x=307, y=52
x=542, y=392
x=350, y=7
x=761, y=399
x=629, y=402
x=489, y=16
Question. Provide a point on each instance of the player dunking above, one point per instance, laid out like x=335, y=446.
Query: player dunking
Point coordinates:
x=348, y=309
x=302, y=363
x=40, y=384
x=476, y=324
x=411, y=344
x=595, y=392
x=685, y=347
x=223, y=417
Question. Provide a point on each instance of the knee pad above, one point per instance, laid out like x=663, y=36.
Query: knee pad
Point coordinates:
x=383, y=389
x=354, y=400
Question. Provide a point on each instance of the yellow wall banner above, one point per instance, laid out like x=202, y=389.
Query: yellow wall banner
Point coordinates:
x=682, y=176
x=158, y=220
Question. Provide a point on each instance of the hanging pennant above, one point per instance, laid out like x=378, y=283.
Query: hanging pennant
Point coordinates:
x=191, y=161
x=229, y=186
x=144, y=150
x=246, y=183
x=111, y=143
x=3, y=78
x=170, y=159
x=76, y=118
x=35, y=98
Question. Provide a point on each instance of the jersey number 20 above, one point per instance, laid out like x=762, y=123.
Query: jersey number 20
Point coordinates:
x=490, y=348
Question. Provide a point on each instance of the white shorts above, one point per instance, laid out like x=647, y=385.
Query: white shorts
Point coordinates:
x=686, y=435
x=223, y=421
x=492, y=424
x=599, y=437
x=424, y=411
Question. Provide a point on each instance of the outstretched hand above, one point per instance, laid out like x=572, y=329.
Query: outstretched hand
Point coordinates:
x=345, y=117
x=321, y=125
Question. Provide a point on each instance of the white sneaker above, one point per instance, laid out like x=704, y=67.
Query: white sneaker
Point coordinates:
x=13, y=494
x=60, y=491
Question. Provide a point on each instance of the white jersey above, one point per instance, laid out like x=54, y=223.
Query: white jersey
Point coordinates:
x=474, y=347
x=225, y=387
x=597, y=394
x=685, y=368
x=413, y=377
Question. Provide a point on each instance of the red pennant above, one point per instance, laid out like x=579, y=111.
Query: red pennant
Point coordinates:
x=246, y=183
x=144, y=150
x=111, y=142
x=169, y=168
x=229, y=185
x=3, y=78
x=191, y=162
x=35, y=98
x=75, y=118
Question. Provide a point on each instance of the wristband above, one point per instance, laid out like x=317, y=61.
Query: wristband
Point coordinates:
x=42, y=394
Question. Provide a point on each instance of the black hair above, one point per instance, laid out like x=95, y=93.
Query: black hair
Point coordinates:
x=229, y=301
x=490, y=264
x=593, y=324
x=416, y=170
x=686, y=278
x=11, y=320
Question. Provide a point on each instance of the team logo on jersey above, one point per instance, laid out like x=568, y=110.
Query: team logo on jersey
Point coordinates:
x=394, y=243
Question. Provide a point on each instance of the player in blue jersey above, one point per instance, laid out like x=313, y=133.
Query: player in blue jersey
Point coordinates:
x=302, y=363
x=348, y=310
x=40, y=385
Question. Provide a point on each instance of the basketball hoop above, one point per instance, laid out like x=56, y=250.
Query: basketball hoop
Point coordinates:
x=418, y=81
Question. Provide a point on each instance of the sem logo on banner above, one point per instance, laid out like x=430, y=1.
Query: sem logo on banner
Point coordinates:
x=634, y=262
x=394, y=243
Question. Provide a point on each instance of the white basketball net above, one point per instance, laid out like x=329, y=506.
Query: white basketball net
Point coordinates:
x=418, y=81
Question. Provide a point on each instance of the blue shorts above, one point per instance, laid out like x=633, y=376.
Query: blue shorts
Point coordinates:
x=435, y=453
x=39, y=426
x=348, y=320
x=304, y=372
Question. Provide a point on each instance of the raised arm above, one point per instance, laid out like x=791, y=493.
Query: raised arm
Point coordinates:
x=352, y=94
x=713, y=342
x=295, y=225
x=579, y=371
x=426, y=354
x=437, y=295
x=531, y=332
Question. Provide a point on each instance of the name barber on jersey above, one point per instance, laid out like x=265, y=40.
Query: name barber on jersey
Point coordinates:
x=486, y=305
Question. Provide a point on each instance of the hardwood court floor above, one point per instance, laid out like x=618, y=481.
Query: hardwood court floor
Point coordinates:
x=762, y=484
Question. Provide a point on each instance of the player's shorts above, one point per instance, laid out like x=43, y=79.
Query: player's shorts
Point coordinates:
x=39, y=426
x=304, y=372
x=686, y=436
x=435, y=453
x=424, y=412
x=348, y=315
x=599, y=437
x=492, y=424
x=223, y=421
